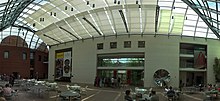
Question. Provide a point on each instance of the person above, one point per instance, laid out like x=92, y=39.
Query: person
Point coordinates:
x=11, y=79
x=154, y=97
x=171, y=93
x=2, y=99
x=127, y=96
x=7, y=91
x=166, y=89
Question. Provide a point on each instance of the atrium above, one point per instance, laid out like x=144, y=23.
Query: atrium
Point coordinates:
x=136, y=40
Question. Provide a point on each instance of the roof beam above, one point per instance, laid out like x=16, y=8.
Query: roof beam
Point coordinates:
x=52, y=38
x=92, y=25
x=197, y=21
x=68, y=32
x=123, y=19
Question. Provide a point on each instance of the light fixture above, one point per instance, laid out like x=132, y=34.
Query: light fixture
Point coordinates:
x=115, y=1
x=118, y=2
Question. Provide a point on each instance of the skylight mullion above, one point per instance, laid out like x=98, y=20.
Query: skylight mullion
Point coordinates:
x=106, y=12
x=95, y=23
x=72, y=29
x=171, y=19
x=83, y=26
x=217, y=16
x=35, y=4
x=62, y=31
x=196, y=26
x=208, y=11
x=141, y=22
x=19, y=30
x=78, y=18
x=201, y=7
x=207, y=32
x=185, y=19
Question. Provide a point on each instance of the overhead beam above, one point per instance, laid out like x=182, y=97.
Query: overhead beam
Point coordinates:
x=52, y=38
x=68, y=32
x=92, y=25
x=123, y=19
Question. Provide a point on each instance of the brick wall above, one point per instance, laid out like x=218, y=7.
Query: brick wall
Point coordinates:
x=41, y=65
x=15, y=62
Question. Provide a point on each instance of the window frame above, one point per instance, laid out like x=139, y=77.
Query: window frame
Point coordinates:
x=141, y=44
x=100, y=46
x=127, y=44
x=6, y=56
x=113, y=45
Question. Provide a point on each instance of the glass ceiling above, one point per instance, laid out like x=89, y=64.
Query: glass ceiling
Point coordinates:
x=11, y=11
x=208, y=10
x=60, y=21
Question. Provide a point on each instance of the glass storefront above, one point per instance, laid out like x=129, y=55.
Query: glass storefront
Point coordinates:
x=129, y=67
x=131, y=77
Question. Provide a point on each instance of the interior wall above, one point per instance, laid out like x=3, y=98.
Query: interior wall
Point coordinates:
x=213, y=50
x=161, y=52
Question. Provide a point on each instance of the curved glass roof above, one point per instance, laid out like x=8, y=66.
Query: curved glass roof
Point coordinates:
x=60, y=21
x=11, y=11
x=208, y=10
x=31, y=39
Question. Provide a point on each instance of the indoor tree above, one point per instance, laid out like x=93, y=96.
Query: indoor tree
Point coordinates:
x=216, y=68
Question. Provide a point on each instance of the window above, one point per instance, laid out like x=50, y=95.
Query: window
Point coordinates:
x=100, y=46
x=141, y=44
x=127, y=44
x=31, y=55
x=65, y=7
x=6, y=54
x=45, y=59
x=39, y=58
x=24, y=56
x=113, y=45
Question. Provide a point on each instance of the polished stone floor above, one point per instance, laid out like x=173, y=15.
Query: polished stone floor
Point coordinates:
x=96, y=94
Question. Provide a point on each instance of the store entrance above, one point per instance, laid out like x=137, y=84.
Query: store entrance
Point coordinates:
x=122, y=74
x=130, y=77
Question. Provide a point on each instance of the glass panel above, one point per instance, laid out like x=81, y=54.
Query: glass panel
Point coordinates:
x=120, y=62
x=164, y=21
x=6, y=54
x=212, y=5
x=3, y=1
x=178, y=23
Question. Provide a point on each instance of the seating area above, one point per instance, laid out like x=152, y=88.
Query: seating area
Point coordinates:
x=66, y=91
